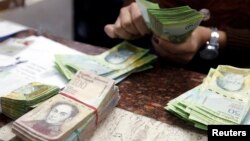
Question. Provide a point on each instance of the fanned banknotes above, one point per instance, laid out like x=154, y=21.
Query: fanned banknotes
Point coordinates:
x=72, y=114
x=116, y=63
x=25, y=98
x=173, y=24
x=222, y=98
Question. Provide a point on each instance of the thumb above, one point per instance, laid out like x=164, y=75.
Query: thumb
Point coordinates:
x=110, y=30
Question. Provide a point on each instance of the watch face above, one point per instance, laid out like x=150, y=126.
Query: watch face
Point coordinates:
x=209, y=53
x=215, y=35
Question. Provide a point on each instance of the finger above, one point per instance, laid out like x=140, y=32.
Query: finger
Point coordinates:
x=110, y=30
x=120, y=32
x=176, y=48
x=156, y=42
x=159, y=50
x=126, y=21
x=179, y=58
x=138, y=19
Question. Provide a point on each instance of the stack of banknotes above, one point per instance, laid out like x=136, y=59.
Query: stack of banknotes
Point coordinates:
x=73, y=114
x=23, y=99
x=116, y=63
x=173, y=24
x=222, y=98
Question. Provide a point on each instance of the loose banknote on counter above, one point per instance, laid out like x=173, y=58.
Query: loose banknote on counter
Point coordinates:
x=173, y=24
x=72, y=114
x=222, y=98
x=116, y=63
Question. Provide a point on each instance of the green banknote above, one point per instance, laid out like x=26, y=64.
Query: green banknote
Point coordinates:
x=222, y=98
x=121, y=55
x=116, y=63
x=144, y=5
x=69, y=64
x=140, y=63
x=140, y=69
x=25, y=98
x=231, y=81
x=228, y=86
x=173, y=24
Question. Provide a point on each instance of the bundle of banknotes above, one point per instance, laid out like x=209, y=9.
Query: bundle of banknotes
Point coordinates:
x=73, y=114
x=173, y=24
x=116, y=63
x=222, y=98
x=25, y=98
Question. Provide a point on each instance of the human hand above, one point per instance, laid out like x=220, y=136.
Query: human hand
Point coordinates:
x=129, y=24
x=182, y=52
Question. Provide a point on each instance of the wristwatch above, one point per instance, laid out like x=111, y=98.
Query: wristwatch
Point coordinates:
x=211, y=51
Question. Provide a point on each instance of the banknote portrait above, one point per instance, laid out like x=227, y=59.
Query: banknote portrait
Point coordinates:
x=60, y=113
x=119, y=56
x=231, y=81
x=94, y=67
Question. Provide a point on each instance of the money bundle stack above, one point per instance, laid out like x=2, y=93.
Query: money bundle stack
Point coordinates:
x=222, y=98
x=73, y=114
x=173, y=24
x=22, y=100
x=116, y=63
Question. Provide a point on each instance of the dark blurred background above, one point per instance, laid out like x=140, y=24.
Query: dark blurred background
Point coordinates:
x=91, y=16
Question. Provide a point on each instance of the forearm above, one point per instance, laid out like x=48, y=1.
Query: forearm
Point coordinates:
x=229, y=37
x=238, y=38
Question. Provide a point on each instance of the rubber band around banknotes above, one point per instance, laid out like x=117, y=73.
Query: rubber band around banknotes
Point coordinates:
x=90, y=106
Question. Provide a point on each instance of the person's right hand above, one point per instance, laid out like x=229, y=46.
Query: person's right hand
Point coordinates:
x=129, y=24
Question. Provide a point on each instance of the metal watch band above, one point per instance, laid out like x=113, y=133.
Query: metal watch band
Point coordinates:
x=211, y=51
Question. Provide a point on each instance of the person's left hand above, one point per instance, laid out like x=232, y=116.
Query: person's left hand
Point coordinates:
x=182, y=52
